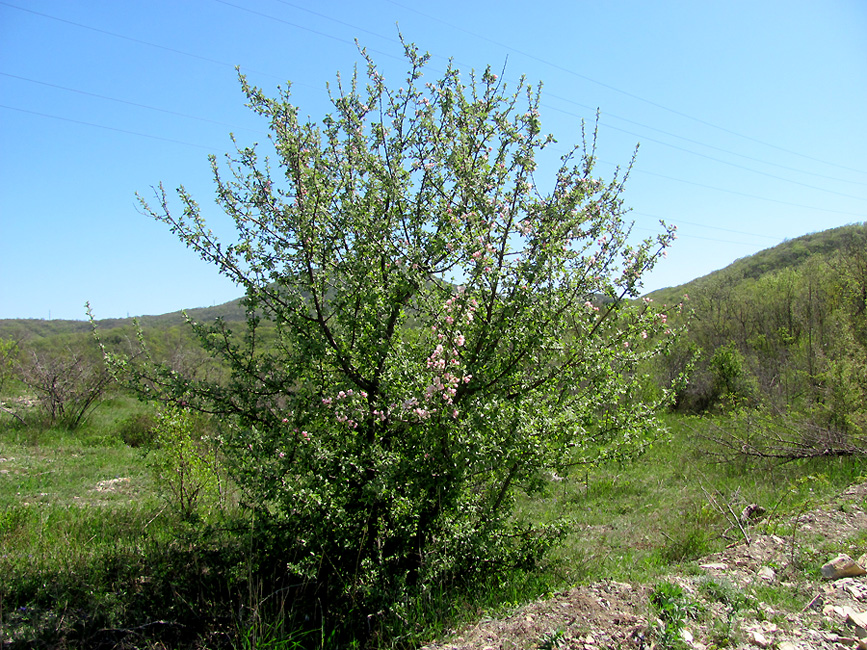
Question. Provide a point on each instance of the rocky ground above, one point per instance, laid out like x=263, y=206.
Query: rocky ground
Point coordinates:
x=765, y=593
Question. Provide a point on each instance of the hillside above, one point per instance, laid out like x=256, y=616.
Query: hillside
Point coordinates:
x=23, y=329
x=791, y=253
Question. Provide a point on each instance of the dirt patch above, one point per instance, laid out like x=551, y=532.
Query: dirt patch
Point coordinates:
x=608, y=615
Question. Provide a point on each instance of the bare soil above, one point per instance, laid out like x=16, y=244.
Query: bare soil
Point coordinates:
x=785, y=604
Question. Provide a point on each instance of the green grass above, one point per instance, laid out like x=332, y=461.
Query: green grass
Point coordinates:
x=89, y=549
x=633, y=522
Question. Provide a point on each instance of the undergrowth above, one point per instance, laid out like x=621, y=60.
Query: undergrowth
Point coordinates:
x=91, y=559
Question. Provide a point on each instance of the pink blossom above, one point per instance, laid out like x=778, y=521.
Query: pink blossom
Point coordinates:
x=460, y=340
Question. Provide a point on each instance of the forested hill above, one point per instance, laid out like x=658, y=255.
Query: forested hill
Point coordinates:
x=784, y=328
x=790, y=254
x=18, y=329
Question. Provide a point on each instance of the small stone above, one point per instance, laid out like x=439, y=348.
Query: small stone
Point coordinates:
x=759, y=639
x=842, y=566
x=715, y=566
x=858, y=620
x=767, y=573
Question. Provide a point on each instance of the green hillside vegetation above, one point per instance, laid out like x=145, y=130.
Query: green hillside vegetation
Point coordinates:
x=173, y=560
x=791, y=254
x=785, y=329
x=26, y=329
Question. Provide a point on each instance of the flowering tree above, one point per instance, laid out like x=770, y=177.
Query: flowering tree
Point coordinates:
x=444, y=330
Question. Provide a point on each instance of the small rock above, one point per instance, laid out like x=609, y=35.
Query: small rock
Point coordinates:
x=767, y=573
x=815, y=604
x=752, y=511
x=842, y=566
x=759, y=639
x=715, y=566
x=858, y=620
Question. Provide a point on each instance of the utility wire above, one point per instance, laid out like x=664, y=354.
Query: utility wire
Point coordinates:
x=621, y=91
x=348, y=42
x=129, y=103
x=134, y=40
x=345, y=41
x=392, y=40
x=103, y=126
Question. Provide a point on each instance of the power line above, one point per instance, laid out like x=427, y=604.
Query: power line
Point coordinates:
x=392, y=40
x=129, y=103
x=103, y=126
x=624, y=92
x=133, y=40
x=698, y=142
x=725, y=162
x=347, y=42
x=751, y=196
x=702, y=225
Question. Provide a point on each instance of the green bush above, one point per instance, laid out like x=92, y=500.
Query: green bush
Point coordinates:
x=185, y=463
x=138, y=430
x=443, y=332
x=733, y=385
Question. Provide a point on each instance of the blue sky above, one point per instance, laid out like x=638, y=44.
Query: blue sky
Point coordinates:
x=750, y=117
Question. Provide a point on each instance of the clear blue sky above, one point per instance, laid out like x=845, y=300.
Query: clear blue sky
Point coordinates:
x=751, y=119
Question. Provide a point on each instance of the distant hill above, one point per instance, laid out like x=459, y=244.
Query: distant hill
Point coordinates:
x=23, y=329
x=790, y=254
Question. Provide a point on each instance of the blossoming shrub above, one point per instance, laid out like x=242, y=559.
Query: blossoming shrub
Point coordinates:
x=443, y=331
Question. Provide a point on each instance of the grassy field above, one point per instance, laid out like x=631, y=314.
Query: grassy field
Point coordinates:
x=92, y=554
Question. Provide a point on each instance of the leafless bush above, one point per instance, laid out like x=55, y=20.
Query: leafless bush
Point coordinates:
x=784, y=438
x=68, y=383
